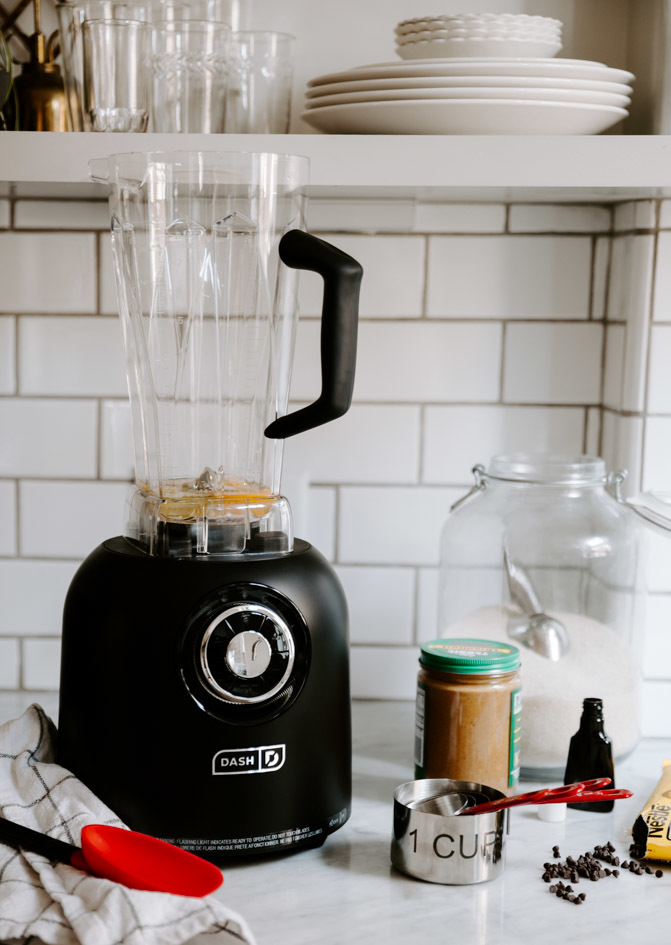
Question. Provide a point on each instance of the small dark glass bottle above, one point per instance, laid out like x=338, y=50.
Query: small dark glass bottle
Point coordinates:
x=590, y=753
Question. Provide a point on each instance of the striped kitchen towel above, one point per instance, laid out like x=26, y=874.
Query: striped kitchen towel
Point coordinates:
x=55, y=904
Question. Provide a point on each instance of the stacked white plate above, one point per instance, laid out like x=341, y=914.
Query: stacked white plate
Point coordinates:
x=478, y=34
x=496, y=95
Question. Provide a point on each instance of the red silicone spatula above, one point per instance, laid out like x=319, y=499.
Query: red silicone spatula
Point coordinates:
x=124, y=856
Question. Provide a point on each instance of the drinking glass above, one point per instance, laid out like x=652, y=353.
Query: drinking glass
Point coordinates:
x=259, y=95
x=189, y=65
x=71, y=16
x=116, y=76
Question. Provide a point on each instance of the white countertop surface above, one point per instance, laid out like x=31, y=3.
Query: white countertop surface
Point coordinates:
x=348, y=892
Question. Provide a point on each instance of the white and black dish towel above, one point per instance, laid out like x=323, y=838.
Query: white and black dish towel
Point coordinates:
x=55, y=904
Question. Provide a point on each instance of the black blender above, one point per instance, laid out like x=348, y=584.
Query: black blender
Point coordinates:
x=205, y=668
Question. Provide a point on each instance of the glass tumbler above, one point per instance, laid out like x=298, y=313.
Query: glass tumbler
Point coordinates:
x=116, y=77
x=115, y=89
x=189, y=66
x=71, y=17
x=259, y=94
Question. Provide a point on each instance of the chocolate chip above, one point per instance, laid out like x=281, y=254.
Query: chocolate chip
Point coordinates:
x=649, y=870
x=659, y=874
x=616, y=873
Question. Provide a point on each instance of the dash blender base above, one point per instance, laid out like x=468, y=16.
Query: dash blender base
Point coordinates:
x=205, y=669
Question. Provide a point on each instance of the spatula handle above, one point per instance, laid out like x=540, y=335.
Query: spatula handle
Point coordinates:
x=18, y=836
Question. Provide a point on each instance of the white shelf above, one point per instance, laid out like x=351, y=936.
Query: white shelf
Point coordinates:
x=590, y=168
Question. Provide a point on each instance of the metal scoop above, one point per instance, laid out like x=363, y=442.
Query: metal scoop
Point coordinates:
x=535, y=630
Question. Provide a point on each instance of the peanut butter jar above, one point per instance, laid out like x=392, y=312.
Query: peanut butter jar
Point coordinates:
x=469, y=712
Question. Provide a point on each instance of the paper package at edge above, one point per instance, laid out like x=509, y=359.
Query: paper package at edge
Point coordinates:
x=652, y=828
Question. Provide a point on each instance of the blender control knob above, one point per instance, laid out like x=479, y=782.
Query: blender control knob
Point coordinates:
x=248, y=654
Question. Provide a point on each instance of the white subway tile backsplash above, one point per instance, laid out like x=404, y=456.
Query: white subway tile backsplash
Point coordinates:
x=600, y=276
x=4, y=214
x=68, y=519
x=392, y=525
x=659, y=376
x=460, y=218
x=558, y=218
x=24, y=612
x=107, y=287
x=614, y=365
x=407, y=361
x=7, y=519
x=10, y=662
x=320, y=524
x=377, y=443
x=657, y=455
x=634, y=215
x=593, y=431
x=7, y=355
x=41, y=663
x=665, y=215
x=552, y=363
x=656, y=662
x=621, y=448
x=48, y=438
x=48, y=272
x=458, y=437
x=661, y=304
x=655, y=717
x=61, y=215
x=393, y=276
x=116, y=451
x=381, y=604
x=380, y=672
x=344, y=215
x=630, y=279
x=509, y=276
x=71, y=355
x=427, y=605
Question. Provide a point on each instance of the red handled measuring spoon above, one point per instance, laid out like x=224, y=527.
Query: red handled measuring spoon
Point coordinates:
x=582, y=792
x=124, y=856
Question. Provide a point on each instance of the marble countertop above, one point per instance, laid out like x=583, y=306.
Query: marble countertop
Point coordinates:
x=347, y=891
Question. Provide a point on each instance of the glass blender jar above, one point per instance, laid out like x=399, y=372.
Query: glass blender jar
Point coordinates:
x=230, y=635
x=542, y=553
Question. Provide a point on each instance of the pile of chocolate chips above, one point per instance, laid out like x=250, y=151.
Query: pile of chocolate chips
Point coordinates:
x=588, y=866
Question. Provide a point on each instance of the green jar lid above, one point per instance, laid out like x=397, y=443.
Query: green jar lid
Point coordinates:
x=470, y=656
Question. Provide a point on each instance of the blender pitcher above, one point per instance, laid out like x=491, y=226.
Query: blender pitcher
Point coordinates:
x=230, y=636
x=209, y=319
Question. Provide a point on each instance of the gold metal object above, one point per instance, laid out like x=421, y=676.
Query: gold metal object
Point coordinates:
x=40, y=88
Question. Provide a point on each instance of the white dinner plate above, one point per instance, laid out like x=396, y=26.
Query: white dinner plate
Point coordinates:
x=464, y=117
x=562, y=68
x=524, y=94
x=476, y=81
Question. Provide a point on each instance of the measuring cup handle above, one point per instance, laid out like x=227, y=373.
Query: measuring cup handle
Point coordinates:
x=340, y=317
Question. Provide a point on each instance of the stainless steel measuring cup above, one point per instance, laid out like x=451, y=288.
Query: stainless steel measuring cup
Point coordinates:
x=446, y=848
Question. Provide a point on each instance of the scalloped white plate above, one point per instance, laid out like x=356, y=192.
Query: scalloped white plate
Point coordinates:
x=516, y=94
x=467, y=82
x=464, y=117
x=559, y=68
x=458, y=48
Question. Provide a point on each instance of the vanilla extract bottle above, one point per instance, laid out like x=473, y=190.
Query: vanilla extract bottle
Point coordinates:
x=590, y=753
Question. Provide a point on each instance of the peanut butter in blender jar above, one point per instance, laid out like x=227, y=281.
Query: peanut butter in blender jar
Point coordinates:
x=468, y=712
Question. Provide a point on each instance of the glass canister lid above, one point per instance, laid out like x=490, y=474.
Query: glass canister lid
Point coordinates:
x=470, y=656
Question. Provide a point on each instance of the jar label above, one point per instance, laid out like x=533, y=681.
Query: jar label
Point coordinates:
x=420, y=722
x=515, y=736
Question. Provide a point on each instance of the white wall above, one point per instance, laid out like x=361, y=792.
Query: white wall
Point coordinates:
x=484, y=327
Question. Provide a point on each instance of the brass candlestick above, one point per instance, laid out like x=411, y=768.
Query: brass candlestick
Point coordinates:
x=40, y=89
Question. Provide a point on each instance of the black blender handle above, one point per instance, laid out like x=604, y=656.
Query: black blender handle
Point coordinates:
x=340, y=316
